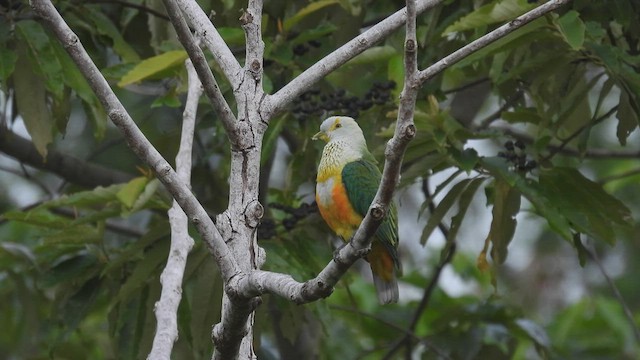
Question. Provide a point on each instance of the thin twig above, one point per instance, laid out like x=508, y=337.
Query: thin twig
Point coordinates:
x=566, y=141
x=614, y=289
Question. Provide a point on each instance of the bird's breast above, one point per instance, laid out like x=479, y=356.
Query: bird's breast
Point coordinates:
x=335, y=207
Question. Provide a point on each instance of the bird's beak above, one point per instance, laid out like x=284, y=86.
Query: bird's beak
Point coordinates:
x=321, y=136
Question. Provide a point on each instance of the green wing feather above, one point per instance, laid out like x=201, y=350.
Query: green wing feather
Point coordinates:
x=361, y=179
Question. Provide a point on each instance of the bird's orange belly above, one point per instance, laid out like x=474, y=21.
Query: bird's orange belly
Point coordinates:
x=335, y=207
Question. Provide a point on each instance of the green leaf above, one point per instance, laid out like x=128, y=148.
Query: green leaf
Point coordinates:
x=76, y=81
x=441, y=210
x=31, y=98
x=129, y=193
x=506, y=206
x=494, y=12
x=628, y=119
x=143, y=271
x=8, y=59
x=306, y=11
x=572, y=29
x=582, y=251
x=105, y=27
x=463, y=204
x=545, y=206
x=585, y=204
x=233, y=36
x=41, y=55
x=152, y=66
x=466, y=159
x=69, y=270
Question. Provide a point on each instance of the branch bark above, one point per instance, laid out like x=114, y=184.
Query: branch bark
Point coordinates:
x=166, y=308
x=70, y=168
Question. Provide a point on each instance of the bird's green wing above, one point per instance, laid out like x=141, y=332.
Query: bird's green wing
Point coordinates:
x=361, y=179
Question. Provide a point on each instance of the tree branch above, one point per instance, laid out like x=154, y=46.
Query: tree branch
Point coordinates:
x=66, y=166
x=278, y=101
x=211, y=88
x=136, y=140
x=487, y=39
x=166, y=308
x=212, y=39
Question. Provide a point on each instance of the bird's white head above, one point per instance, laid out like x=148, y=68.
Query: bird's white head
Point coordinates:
x=340, y=128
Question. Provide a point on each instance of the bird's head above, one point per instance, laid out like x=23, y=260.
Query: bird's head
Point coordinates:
x=340, y=128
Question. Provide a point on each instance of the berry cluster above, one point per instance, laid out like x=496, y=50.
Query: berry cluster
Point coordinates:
x=515, y=154
x=313, y=102
x=267, y=228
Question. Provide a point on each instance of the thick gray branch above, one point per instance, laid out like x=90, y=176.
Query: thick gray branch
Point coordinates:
x=346, y=52
x=136, y=140
x=166, y=308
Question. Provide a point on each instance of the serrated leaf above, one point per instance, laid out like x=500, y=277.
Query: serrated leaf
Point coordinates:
x=105, y=26
x=441, y=210
x=306, y=11
x=8, y=59
x=494, y=12
x=41, y=55
x=129, y=193
x=503, y=225
x=152, y=66
x=32, y=102
x=572, y=29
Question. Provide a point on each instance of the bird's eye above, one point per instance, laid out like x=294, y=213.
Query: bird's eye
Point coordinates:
x=338, y=125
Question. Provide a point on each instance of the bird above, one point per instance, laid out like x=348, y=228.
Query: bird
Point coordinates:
x=347, y=181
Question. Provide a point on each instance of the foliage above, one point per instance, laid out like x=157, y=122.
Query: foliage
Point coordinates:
x=555, y=101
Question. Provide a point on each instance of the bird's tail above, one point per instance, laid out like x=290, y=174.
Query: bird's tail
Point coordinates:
x=387, y=290
x=385, y=269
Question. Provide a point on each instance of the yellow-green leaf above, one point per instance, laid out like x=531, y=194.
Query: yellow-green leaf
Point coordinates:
x=129, y=193
x=152, y=66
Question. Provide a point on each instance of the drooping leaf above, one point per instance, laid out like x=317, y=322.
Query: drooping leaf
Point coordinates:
x=69, y=270
x=506, y=206
x=32, y=102
x=8, y=59
x=306, y=11
x=152, y=66
x=585, y=204
x=572, y=29
x=442, y=208
x=463, y=205
x=105, y=26
x=41, y=55
x=628, y=119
